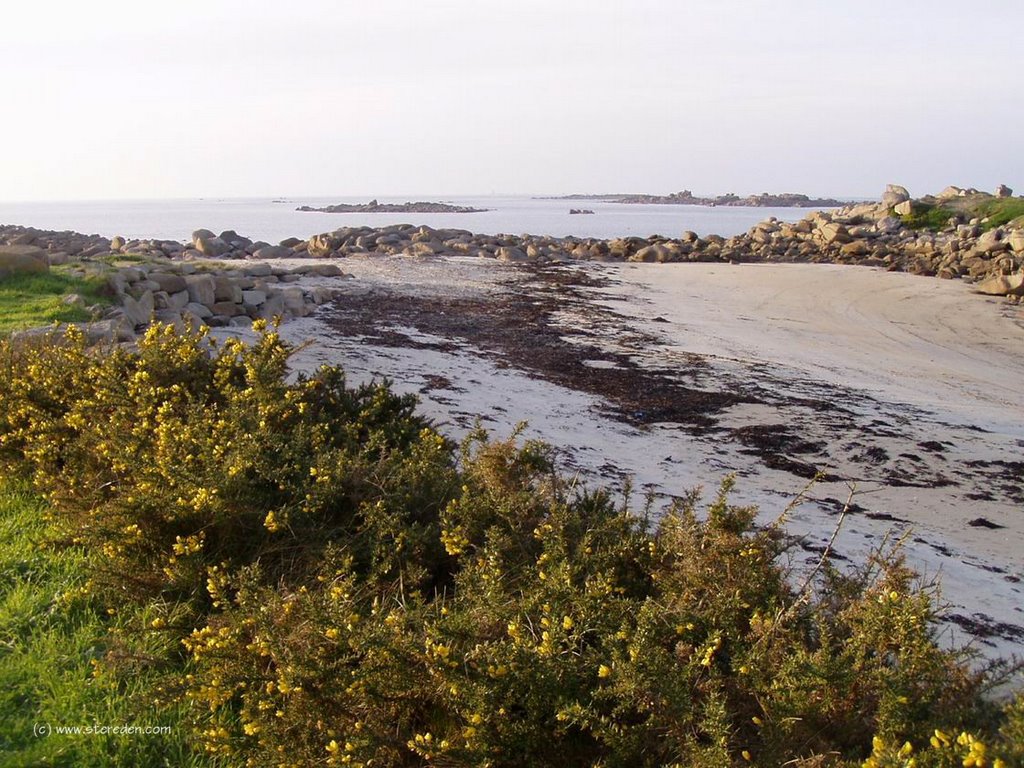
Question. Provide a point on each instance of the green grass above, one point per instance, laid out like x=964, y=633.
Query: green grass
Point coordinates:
x=930, y=217
x=1001, y=211
x=37, y=299
x=47, y=644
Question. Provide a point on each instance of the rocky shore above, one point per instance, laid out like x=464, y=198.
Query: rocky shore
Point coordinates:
x=166, y=276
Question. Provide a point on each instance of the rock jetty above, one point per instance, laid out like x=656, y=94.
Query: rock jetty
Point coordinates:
x=374, y=207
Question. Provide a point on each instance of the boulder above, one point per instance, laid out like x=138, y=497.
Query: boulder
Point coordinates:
x=168, y=282
x=253, y=298
x=510, y=253
x=833, y=232
x=199, y=310
x=322, y=245
x=202, y=289
x=202, y=233
x=990, y=242
x=212, y=246
x=273, y=252
x=1002, y=285
x=294, y=301
x=226, y=289
x=117, y=243
x=1003, y=191
x=22, y=259
x=139, y=311
x=904, y=208
x=894, y=195
x=257, y=270
x=1015, y=239
x=290, y=242
x=272, y=307
x=949, y=193
x=319, y=270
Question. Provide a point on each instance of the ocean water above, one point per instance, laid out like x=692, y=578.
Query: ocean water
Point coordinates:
x=273, y=220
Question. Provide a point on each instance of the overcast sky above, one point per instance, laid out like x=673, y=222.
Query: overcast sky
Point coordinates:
x=135, y=99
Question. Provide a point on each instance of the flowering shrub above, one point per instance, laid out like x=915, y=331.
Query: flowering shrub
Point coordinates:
x=330, y=582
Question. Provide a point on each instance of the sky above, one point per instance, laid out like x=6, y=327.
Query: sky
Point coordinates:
x=116, y=100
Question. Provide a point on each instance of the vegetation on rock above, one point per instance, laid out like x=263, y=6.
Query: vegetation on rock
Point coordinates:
x=318, y=577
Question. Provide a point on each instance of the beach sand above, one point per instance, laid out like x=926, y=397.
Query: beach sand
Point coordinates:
x=908, y=390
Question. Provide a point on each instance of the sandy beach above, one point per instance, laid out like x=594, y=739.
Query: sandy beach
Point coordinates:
x=671, y=376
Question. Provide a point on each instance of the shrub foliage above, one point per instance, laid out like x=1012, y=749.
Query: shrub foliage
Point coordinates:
x=328, y=580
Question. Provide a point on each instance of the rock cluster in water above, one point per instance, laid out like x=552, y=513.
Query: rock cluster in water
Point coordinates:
x=374, y=207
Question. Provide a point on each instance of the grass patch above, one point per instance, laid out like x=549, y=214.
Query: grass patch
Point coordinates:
x=1001, y=211
x=38, y=299
x=930, y=217
x=50, y=634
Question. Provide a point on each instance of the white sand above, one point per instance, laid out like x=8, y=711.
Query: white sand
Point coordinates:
x=913, y=359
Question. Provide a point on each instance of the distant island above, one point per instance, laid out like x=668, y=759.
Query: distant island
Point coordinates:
x=686, y=197
x=374, y=207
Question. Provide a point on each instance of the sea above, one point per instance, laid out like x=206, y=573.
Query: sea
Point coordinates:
x=274, y=219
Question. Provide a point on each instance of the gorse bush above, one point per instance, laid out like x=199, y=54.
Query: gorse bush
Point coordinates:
x=329, y=581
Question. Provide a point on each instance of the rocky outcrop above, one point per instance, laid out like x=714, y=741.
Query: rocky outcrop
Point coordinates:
x=374, y=207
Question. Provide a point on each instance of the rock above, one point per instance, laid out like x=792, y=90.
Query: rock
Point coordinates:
x=109, y=331
x=322, y=245
x=1002, y=285
x=321, y=294
x=201, y=289
x=904, y=209
x=273, y=252
x=56, y=258
x=257, y=270
x=289, y=242
x=990, y=242
x=199, y=310
x=25, y=238
x=319, y=270
x=1015, y=239
x=253, y=298
x=894, y=195
x=226, y=289
x=117, y=243
x=294, y=301
x=227, y=309
x=833, y=232
x=856, y=248
x=212, y=246
x=22, y=259
x=652, y=253
x=509, y=253
x=272, y=307
x=1003, y=191
x=139, y=311
x=178, y=300
x=168, y=282
x=949, y=193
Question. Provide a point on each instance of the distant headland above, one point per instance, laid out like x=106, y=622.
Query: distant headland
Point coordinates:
x=686, y=197
x=374, y=207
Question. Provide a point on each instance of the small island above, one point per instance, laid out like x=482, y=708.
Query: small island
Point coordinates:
x=686, y=197
x=374, y=207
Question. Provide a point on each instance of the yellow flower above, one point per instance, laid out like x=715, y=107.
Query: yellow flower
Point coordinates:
x=604, y=671
x=567, y=623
